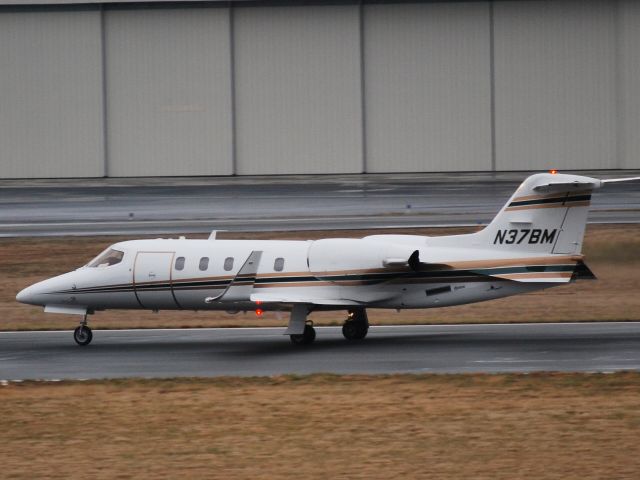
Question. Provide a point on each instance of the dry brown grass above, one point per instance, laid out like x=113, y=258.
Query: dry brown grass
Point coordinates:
x=613, y=252
x=542, y=426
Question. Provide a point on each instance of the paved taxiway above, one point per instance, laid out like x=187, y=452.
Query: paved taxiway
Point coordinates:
x=600, y=347
x=202, y=204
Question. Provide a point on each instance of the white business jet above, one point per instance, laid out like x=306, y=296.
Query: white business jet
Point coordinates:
x=533, y=243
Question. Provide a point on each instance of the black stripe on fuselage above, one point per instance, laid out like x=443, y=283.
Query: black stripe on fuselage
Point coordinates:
x=546, y=201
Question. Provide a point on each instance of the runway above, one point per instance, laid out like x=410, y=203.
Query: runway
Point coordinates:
x=202, y=204
x=592, y=347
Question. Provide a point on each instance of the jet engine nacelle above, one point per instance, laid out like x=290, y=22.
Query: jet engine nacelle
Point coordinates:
x=329, y=257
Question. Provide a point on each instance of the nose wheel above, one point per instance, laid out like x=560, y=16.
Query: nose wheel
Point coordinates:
x=83, y=334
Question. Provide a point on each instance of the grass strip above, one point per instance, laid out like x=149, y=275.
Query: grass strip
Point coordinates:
x=543, y=426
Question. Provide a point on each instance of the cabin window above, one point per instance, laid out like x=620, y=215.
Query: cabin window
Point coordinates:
x=228, y=263
x=180, y=263
x=107, y=258
x=204, y=263
x=278, y=265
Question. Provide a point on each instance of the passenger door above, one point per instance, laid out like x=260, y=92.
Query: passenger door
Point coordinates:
x=152, y=280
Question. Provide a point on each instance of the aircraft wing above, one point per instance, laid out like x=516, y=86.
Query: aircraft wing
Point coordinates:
x=285, y=298
x=239, y=289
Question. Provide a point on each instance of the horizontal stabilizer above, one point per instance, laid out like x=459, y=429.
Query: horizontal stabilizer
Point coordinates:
x=585, y=183
x=617, y=180
x=553, y=187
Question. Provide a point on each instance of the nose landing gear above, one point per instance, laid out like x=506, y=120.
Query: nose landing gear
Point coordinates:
x=83, y=334
x=356, y=326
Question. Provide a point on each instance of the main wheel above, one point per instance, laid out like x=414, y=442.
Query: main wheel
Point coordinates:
x=305, y=338
x=354, y=330
x=83, y=335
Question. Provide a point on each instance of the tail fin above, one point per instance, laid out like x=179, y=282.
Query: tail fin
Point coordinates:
x=547, y=215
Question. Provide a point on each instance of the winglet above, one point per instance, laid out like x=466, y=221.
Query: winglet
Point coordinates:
x=240, y=288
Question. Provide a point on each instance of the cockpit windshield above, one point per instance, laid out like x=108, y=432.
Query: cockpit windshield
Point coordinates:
x=107, y=258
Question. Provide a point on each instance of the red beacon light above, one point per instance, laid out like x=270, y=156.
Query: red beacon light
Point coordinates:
x=259, y=311
x=553, y=171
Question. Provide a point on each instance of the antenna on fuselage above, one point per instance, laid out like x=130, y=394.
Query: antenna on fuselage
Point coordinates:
x=214, y=233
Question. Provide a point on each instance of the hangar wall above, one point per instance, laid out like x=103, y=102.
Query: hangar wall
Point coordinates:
x=297, y=77
x=168, y=100
x=555, y=84
x=428, y=89
x=127, y=90
x=50, y=95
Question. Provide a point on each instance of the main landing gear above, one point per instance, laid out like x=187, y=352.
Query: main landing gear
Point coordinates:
x=83, y=334
x=356, y=326
x=301, y=331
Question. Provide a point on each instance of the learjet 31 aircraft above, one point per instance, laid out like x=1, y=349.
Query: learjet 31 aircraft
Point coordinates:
x=534, y=242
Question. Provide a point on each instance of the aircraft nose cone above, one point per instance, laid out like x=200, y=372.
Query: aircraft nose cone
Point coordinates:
x=33, y=294
x=25, y=295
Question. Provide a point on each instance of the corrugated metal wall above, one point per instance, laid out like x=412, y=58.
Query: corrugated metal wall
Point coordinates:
x=628, y=98
x=450, y=86
x=298, y=90
x=168, y=92
x=555, y=84
x=50, y=95
x=427, y=84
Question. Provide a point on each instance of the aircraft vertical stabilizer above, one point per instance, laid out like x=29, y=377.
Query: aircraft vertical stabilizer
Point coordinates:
x=546, y=215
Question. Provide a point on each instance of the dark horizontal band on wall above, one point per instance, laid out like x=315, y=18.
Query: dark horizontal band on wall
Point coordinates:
x=52, y=5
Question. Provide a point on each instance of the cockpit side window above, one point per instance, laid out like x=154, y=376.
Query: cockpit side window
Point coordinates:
x=107, y=258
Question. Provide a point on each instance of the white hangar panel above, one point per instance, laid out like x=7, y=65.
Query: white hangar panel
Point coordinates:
x=298, y=94
x=168, y=92
x=629, y=93
x=427, y=84
x=50, y=94
x=555, y=85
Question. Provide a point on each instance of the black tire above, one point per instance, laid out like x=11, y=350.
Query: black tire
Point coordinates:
x=306, y=338
x=83, y=335
x=354, y=330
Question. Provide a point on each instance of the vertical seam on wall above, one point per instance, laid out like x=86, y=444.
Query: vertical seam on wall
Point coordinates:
x=105, y=116
x=492, y=83
x=619, y=132
x=363, y=108
x=232, y=87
